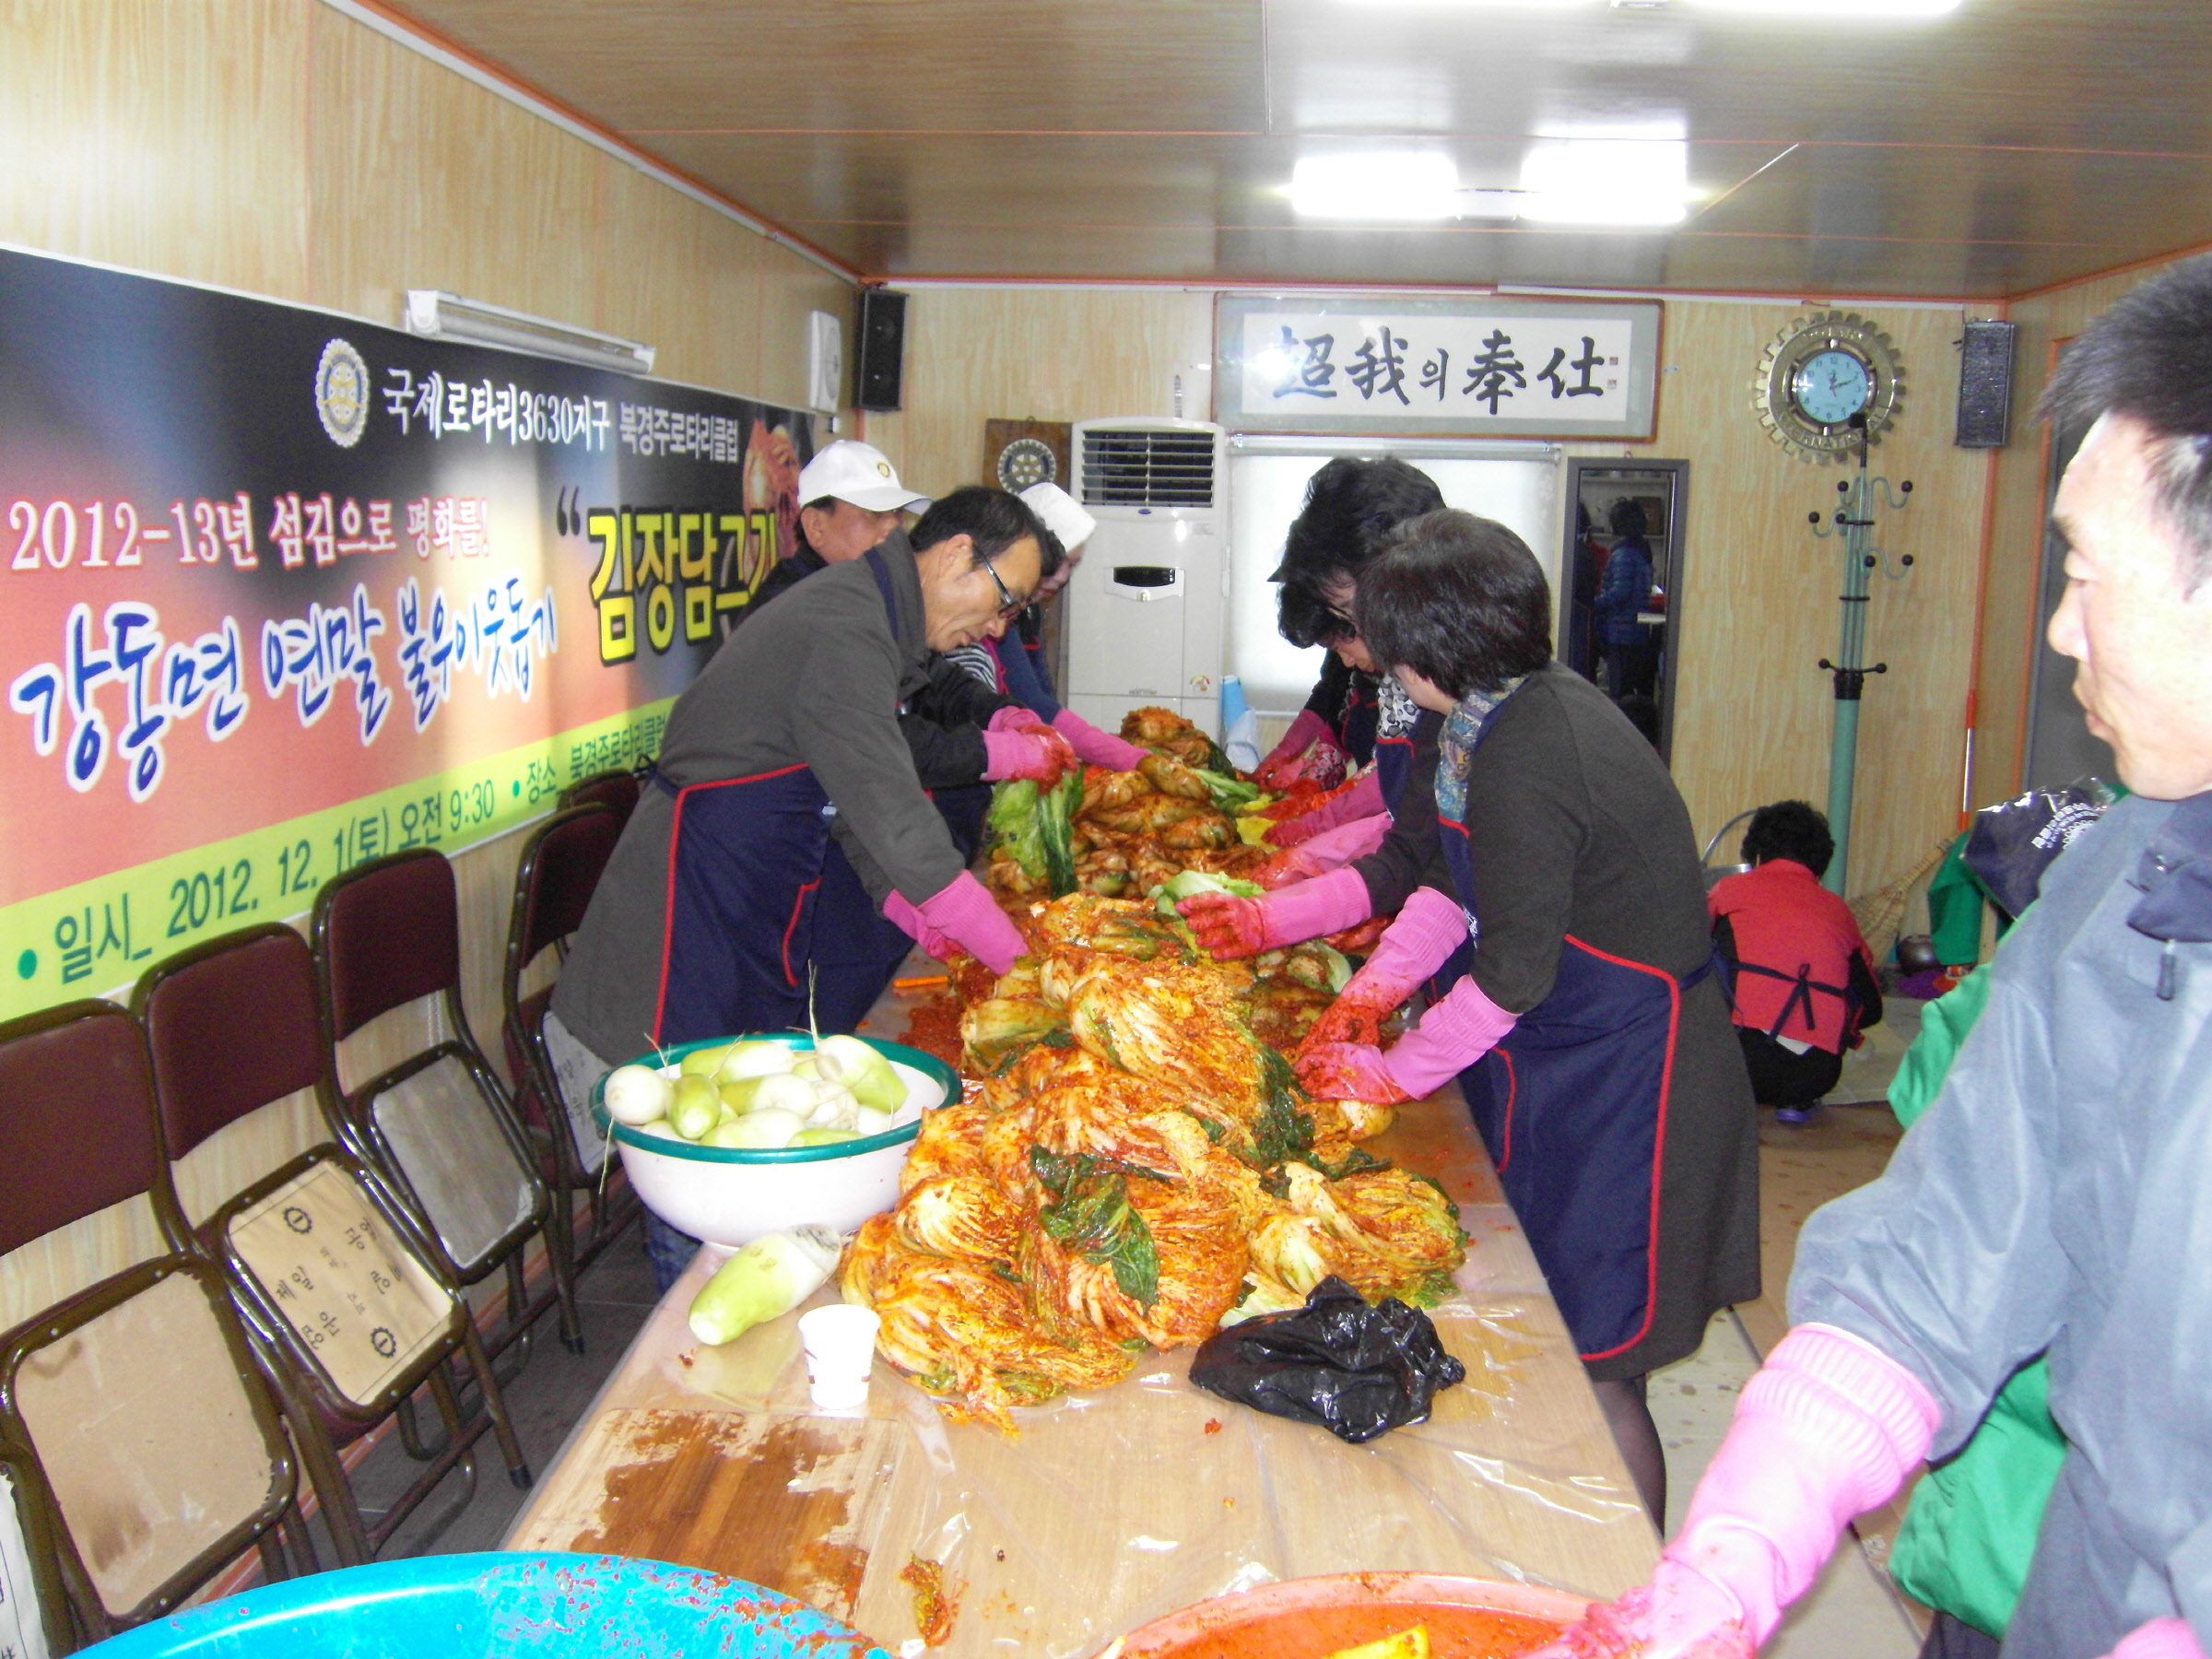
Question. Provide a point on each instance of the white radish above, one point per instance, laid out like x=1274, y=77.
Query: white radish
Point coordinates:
x=757, y=1059
x=636, y=1095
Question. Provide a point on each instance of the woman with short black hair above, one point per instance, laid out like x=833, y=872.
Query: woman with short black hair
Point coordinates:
x=1589, y=1036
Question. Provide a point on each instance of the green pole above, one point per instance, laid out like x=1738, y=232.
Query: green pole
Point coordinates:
x=1842, y=763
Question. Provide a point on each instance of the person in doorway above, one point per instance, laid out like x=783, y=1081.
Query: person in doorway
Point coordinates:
x=2050, y=1200
x=1631, y=656
x=850, y=500
x=784, y=773
x=1590, y=1033
x=1803, y=979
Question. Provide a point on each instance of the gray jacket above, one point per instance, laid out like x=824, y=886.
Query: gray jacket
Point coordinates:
x=2055, y=1196
x=816, y=680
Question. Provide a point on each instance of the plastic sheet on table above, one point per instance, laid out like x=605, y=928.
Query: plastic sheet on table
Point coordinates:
x=1112, y=1508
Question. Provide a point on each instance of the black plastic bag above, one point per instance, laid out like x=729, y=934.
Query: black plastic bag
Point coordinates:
x=2015, y=842
x=1358, y=1371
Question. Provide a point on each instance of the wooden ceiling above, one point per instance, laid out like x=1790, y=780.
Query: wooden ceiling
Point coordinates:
x=2007, y=145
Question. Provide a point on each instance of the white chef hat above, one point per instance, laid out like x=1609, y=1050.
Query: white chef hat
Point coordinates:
x=1058, y=512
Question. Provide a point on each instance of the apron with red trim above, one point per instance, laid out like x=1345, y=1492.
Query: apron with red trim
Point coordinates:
x=744, y=868
x=1573, y=1107
x=758, y=893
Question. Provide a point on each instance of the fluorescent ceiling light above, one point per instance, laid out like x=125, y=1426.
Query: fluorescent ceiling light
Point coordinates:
x=1375, y=185
x=1605, y=182
x=438, y=315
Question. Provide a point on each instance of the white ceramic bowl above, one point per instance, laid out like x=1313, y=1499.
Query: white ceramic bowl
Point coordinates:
x=731, y=1195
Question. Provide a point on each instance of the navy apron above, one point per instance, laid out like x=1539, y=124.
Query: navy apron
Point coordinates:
x=758, y=893
x=1572, y=1106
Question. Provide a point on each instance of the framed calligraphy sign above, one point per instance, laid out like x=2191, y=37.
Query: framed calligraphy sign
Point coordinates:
x=1478, y=367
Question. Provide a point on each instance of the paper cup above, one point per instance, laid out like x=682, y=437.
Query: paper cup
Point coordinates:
x=841, y=1351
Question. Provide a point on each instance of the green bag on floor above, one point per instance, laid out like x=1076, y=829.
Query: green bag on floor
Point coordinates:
x=1970, y=1531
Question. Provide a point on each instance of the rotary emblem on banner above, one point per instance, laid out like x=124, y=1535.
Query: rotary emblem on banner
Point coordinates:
x=342, y=394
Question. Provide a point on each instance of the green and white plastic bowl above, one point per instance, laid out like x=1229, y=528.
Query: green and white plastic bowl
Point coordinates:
x=731, y=1195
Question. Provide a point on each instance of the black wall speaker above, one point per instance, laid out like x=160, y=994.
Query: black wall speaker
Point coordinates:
x=1985, y=386
x=882, y=349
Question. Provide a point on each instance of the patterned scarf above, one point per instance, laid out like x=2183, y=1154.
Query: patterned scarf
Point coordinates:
x=1462, y=731
x=1395, y=709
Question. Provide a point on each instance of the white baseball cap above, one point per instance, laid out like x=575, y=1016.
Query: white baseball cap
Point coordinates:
x=858, y=473
x=1059, y=514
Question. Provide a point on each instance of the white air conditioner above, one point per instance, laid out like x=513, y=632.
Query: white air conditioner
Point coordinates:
x=1146, y=607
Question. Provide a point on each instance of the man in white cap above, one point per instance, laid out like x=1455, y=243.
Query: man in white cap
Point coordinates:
x=850, y=500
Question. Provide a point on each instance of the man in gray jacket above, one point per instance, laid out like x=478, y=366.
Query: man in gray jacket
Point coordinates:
x=2053, y=1200
x=783, y=770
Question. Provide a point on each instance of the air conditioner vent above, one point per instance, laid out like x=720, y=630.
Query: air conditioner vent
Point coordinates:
x=1134, y=467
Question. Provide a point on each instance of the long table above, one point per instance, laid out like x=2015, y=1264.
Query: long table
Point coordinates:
x=1112, y=1508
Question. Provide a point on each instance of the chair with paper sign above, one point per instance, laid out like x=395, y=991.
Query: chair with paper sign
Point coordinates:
x=335, y=1273
x=560, y=866
x=114, y=1528
x=436, y=1121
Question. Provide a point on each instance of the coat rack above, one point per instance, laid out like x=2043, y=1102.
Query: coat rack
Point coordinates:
x=1854, y=522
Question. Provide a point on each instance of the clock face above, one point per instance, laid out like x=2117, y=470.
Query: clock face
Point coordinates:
x=1831, y=386
x=1819, y=374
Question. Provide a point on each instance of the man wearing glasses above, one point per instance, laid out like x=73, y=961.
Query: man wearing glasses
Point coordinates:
x=789, y=798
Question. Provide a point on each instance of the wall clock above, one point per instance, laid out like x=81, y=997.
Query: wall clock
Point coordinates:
x=1819, y=374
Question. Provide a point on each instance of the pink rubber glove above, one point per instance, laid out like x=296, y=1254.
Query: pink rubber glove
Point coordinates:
x=1428, y=930
x=1097, y=748
x=2160, y=1638
x=1364, y=799
x=1280, y=769
x=1349, y=1071
x=1228, y=926
x=1038, y=753
x=1827, y=1429
x=961, y=917
x=1331, y=849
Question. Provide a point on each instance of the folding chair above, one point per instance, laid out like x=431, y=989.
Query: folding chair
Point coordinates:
x=334, y=1273
x=35, y=1621
x=437, y=1124
x=150, y=1435
x=617, y=790
x=561, y=867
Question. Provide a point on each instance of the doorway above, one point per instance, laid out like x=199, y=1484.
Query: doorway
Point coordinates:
x=1621, y=625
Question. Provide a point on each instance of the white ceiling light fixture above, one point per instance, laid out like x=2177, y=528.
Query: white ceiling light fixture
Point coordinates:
x=1605, y=182
x=437, y=315
x=1375, y=185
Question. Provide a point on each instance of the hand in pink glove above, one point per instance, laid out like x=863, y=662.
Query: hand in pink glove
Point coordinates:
x=963, y=916
x=1363, y=799
x=1281, y=767
x=1094, y=746
x=1349, y=1071
x=1428, y=930
x=1036, y=752
x=1228, y=926
x=1827, y=1429
x=1331, y=849
x=2160, y=1638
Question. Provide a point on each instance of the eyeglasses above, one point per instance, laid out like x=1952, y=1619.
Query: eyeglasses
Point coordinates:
x=1009, y=604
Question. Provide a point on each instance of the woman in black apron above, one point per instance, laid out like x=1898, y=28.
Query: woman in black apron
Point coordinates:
x=1590, y=1034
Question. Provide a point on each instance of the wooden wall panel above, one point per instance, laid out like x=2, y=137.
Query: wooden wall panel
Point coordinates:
x=790, y=288
x=683, y=279
x=1760, y=607
x=419, y=178
x=1041, y=354
x=163, y=135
